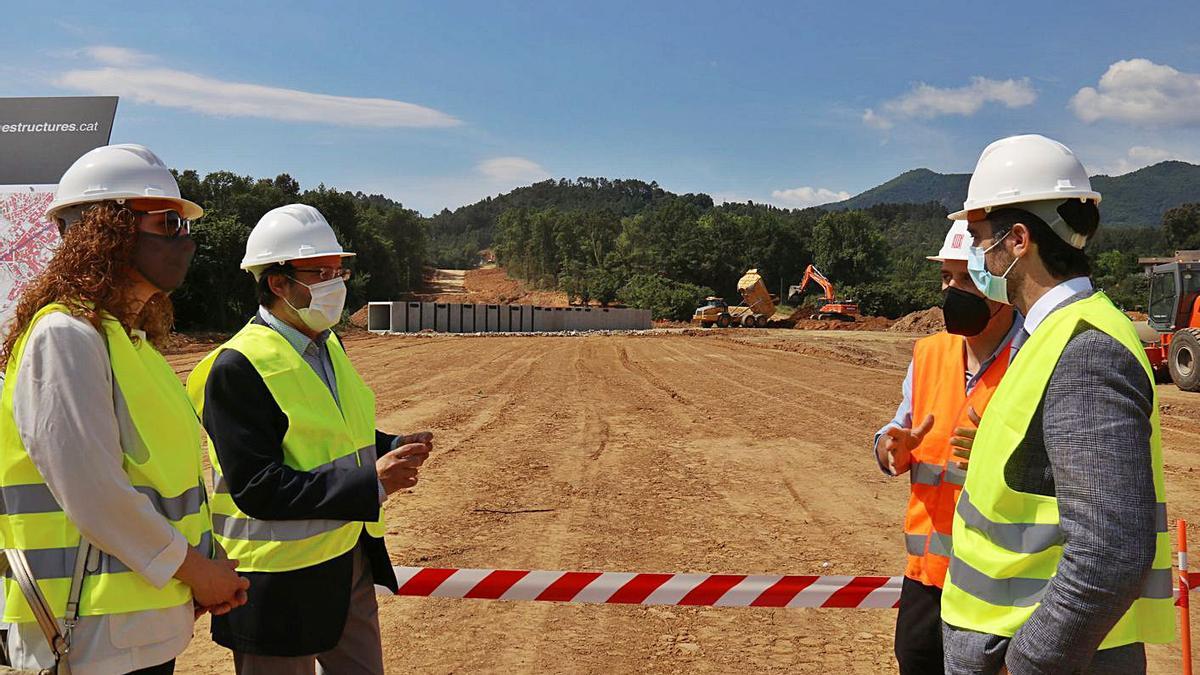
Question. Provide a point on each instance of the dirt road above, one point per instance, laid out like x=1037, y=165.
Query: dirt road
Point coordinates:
x=742, y=453
x=447, y=282
x=489, y=285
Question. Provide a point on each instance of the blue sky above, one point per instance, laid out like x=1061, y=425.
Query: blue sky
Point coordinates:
x=440, y=104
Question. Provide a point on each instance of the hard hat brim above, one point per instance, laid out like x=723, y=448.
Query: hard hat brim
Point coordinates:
x=188, y=209
x=263, y=264
x=990, y=204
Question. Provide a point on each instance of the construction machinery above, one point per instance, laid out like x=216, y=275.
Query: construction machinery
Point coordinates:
x=842, y=310
x=758, y=309
x=1174, y=314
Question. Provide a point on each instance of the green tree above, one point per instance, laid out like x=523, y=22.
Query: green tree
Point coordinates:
x=665, y=298
x=217, y=295
x=604, y=285
x=849, y=249
x=1182, y=226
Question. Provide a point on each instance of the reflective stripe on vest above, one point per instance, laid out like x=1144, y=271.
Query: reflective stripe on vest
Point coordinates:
x=1026, y=592
x=1008, y=544
x=939, y=544
x=322, y=434
x=924, y=473
x=29, y=499
x=59, y=563
x=165, y=468
x=1028, y=537
x=939, y=389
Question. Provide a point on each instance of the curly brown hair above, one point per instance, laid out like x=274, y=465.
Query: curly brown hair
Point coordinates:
x=89, y=273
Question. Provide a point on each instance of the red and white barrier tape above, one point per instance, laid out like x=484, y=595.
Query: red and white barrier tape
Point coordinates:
x=700, y=590
x=628, y=588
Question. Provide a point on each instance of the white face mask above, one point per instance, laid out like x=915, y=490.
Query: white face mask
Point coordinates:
x=325, y=308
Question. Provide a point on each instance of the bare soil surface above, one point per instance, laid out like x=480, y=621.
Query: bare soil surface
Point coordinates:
x=489, y=285
x=681, y=451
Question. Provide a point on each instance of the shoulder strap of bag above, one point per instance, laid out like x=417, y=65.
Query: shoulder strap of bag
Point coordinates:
x=59, y=640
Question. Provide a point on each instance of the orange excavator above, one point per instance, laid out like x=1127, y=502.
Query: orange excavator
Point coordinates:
x=842, y=310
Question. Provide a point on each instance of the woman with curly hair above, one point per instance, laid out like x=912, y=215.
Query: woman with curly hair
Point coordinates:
x=100, y=470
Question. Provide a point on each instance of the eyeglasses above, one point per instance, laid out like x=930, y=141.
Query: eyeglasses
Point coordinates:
x=174, y=225
x=324, y=273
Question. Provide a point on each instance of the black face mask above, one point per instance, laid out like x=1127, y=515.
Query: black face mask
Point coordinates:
x=163, y=260
x=966, y=314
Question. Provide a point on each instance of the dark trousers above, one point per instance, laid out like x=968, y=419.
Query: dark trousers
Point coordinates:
x=167, y=668
x=919, y=629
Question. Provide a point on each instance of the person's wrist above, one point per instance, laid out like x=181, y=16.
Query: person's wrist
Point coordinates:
x=189, y=569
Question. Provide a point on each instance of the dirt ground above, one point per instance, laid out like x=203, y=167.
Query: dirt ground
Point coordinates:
x=741, y=452
x=490, y=285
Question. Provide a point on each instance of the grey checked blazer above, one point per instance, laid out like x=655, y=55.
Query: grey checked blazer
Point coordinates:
x=1089, y=445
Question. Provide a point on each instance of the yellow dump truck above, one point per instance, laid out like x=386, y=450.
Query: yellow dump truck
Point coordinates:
x=758, y=309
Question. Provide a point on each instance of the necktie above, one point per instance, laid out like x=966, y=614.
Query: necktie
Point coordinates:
x=1017, y=343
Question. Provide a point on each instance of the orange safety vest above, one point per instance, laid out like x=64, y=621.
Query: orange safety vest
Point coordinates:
x=939, y=388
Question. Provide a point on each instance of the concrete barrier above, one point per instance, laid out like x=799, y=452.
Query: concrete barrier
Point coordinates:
x=379, y=316
x=516, y=318
x=443, y=317
x=503, y=319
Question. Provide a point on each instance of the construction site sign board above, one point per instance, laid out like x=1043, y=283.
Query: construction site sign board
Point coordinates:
x=39, y=139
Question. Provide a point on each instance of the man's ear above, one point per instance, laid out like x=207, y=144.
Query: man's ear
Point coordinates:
x=278, y=284
x=1022, y=239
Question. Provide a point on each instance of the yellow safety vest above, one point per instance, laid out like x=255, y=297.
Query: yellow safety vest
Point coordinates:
x=167, y=470
x=319, y=434
x=1007, y=544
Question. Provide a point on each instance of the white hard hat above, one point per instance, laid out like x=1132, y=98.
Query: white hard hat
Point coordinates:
x=292, y=232
x=957, y=244
x=1021, y=169
x=118, y=173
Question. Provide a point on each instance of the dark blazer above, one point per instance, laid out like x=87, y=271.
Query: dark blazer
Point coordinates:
x=303, y=611
x=1088, y=445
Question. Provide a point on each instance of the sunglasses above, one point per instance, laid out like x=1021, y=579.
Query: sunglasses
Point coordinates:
x=174, y=224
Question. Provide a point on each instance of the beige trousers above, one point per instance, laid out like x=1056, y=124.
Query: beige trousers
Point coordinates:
x=359, y=652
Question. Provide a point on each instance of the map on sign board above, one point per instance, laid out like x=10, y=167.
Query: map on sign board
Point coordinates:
x=27, y=240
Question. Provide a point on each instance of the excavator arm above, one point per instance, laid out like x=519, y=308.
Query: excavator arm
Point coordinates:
x=812, y=274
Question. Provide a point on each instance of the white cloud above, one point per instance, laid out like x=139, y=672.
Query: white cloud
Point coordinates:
x=804, y=197
x=1138, y=157
x=512, y=170
x=1139, y=91
x=875, y=120
x=926, y=102
x=210, y=96
x=116, y=56
x=429, y=194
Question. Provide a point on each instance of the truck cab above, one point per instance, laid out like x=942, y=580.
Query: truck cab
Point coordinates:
x=712, y=311
x=1174, y=313
x=1174, y=290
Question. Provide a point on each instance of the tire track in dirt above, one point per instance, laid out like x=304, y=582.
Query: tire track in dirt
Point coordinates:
x=860, y=359
x=851, y=399
x=805, y=522
x=649, y=377
x=842, y=474
x=480, y=372
x=774, y=398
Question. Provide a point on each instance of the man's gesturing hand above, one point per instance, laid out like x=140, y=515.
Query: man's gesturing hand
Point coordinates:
x=897, y=443
x=397, y=470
